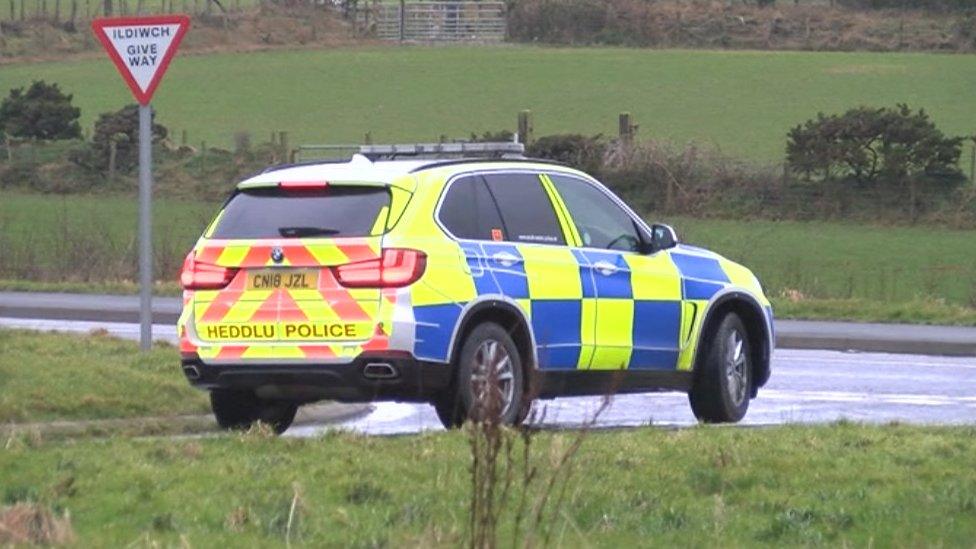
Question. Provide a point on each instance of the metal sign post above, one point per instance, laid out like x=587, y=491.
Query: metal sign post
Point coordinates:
x=145, y=227
x=142, y=48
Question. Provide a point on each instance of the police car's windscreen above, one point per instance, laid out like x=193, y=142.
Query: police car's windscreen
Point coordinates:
x=333, y=212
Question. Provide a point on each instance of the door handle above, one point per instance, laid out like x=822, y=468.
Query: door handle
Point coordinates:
x=506, y=259
x=606, y=268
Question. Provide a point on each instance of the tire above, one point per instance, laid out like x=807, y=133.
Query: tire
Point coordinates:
x=723, y=376
x=239, y=410
x=470, y=396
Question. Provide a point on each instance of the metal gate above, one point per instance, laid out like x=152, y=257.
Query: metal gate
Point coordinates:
x=440, y=21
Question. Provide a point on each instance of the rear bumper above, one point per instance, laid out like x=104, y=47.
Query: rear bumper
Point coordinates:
x=414, y=380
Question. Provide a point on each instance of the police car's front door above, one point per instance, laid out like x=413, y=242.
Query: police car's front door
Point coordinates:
x=637, y=313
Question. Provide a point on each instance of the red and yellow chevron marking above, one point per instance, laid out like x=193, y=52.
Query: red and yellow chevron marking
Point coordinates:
x=298, y=252
x=327, y=322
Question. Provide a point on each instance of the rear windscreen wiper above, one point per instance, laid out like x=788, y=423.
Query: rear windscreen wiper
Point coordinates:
x=293, y=232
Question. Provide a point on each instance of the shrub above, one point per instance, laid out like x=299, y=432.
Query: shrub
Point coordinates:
x=121, y=126
x=867, y=145
x=41, y=112
x=501, y=136
x=579, y=151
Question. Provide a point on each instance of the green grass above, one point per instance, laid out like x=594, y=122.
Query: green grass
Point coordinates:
x=837, y=485
x=92, y=239
x=70, y=377
x=811, y=269
x=744, y=102
x=831, y=260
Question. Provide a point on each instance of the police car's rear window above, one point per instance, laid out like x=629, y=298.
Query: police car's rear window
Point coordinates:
x=326, y=213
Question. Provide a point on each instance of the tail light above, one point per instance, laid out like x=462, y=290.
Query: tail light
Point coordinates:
x=303, y=185
x=395, y=268
x=204, y=276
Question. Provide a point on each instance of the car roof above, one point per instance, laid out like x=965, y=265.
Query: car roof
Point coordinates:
x=361, y=170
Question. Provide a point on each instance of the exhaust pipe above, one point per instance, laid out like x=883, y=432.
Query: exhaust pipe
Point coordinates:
x=379, y=370
x=191, y=373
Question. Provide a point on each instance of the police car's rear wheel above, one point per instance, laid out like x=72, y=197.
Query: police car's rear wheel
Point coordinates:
x=723, y=377
x=489, y=382
x=238, y=410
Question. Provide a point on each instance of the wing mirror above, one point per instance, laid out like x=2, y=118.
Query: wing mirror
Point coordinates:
x=662, y=237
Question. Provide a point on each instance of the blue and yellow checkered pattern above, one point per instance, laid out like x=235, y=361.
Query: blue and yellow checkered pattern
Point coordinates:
x=587, y=308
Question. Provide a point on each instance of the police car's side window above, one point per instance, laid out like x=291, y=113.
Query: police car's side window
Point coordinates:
x=601, y=223
x=468, y=211
x=525, y=207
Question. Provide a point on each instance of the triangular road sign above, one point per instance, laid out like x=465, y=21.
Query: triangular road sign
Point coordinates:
x=141, y=48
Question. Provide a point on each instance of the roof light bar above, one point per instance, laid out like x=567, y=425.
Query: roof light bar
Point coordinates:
x=499, y=149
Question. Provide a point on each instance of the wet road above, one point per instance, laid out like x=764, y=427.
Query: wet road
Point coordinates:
x=807, y=386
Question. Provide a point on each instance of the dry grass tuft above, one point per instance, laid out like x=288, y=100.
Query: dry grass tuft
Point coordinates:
x=34, y=524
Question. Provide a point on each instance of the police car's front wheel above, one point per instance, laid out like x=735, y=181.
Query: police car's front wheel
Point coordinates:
x=489, y=382
x=723, y=376
x=238, y=410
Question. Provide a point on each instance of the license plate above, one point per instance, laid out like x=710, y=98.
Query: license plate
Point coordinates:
x=289, y=279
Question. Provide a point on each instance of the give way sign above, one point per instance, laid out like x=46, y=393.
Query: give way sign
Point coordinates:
x=141, y=48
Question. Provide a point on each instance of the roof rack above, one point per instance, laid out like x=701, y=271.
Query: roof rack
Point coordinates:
x=503, y=149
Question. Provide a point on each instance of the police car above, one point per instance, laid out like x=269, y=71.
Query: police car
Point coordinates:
x=398, y=276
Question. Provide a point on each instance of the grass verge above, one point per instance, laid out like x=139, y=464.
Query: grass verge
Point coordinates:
x=72, y=377
x=918, y=311
x=839, y=485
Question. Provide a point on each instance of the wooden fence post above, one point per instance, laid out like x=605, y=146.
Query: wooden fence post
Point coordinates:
x=525, y=127
x=283, y=141
x=203, y=157
x=972, y=162
x=113, y=148
x=403, y=16
x=10, y=151
x=626, y=128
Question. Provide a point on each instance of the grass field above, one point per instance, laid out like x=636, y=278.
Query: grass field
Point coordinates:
x=743, y=102
x=872, y=273
x=46, y=377
x=837, y=485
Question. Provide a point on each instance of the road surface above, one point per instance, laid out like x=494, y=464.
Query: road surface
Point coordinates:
x=807, y=386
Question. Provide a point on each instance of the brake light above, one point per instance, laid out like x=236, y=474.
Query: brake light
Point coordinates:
x=204, y=276
x=303, y=185
x=395, y=268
